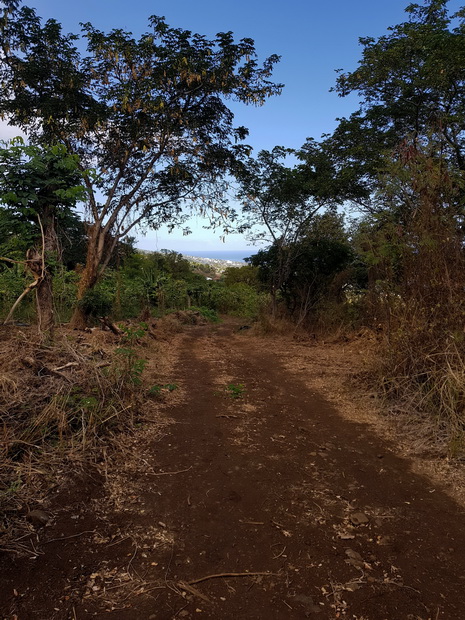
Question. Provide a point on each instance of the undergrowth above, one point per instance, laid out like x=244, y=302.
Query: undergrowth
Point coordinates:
x=65, y=405
x=421, y=372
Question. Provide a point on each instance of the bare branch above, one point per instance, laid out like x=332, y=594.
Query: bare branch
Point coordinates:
x=10, y=260
x=27, y=290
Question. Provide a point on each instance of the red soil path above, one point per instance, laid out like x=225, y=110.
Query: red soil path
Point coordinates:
x=260, y=502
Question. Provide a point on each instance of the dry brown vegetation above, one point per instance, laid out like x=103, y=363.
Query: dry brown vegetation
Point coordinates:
x=422, y=363
x=65, y=407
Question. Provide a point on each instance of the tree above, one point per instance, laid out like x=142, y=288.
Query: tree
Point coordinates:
x=241, y=275
x=19, y=231
x=39, y=186
x=405, y=146
x=314, y=260
x=280, y=201
x=148, y=114
x=17, y=234
x=412, y=86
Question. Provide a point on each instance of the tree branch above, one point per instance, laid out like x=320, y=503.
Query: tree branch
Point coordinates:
x=31, y=286
x=118, y=178
x=10, y=260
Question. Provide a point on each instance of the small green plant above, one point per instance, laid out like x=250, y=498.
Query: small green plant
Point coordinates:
x=236, y=390
x=131, y=366
x=132, y=334
x=157, y=389
x=12, y=488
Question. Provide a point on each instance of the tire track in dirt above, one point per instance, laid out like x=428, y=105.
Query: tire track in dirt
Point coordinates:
x=273, y=481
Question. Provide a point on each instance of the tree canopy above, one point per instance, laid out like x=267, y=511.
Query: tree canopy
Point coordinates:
x=411, y=82
x=148, y=114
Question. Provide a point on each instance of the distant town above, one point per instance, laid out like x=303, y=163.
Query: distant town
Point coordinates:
x=218, y=264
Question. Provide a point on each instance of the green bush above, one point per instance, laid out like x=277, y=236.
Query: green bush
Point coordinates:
x=13, y=281
x=64, y=292
x=97, y=302
x=208, y=313
x=238, y=299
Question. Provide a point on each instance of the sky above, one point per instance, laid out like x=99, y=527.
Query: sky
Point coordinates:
x=313, y=38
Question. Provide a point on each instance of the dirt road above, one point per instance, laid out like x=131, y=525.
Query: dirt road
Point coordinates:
x=257, y=502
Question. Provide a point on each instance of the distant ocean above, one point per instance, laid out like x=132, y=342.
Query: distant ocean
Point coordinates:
x=235, y=255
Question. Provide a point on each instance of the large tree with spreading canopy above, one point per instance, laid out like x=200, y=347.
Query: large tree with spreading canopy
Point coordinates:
x=148, y=115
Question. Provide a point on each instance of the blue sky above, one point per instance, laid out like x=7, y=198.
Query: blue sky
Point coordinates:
x=313, y=38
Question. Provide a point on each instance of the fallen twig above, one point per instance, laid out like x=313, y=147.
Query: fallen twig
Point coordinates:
x=275, y=557
x=102, y=364
x=46, y=542
x=226, y=575
x=132, y=559
x=188, y=588
x=68, y=365
x=54, y=373
x=116, y=413
x=13, y=441
x=171, y=473
x=400, y=585
x=117, y=542
x=106, y=322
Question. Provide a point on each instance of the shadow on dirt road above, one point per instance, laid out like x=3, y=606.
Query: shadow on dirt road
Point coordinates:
x=259, y=503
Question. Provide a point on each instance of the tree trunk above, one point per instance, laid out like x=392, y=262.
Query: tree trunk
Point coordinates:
x=79, y=319
x=118, y=289
x=36, y=262
x=274, y=303
x=88, y=280
x=90, y=274
x=44, y=304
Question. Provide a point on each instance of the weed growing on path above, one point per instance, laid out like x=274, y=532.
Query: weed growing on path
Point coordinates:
x=236, y=390
x=156, y=390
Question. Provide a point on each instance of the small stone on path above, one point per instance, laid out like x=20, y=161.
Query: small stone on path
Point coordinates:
x=358, y=518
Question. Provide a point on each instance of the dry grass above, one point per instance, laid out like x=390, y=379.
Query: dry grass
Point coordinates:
x=62, y=407
x=425, y=388
x=268, y=325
